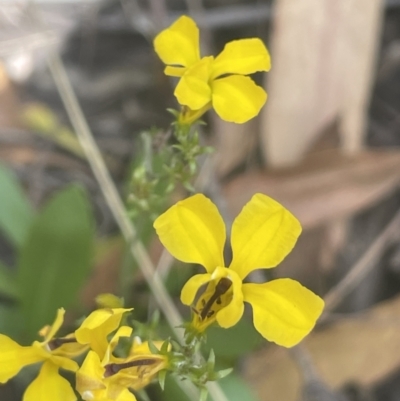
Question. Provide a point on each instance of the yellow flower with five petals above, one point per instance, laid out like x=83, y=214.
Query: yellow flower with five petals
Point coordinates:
x=220, y=82
x=262, y=235
x=54, y=352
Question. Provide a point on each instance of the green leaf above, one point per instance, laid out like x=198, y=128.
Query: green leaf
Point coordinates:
x=56, y=258
x=235, y=389
x=153, y=348
x=211, y=360
x=161, y=378
x=16, y=214
x=8, y=284
x=223, y=373
x=164, y=348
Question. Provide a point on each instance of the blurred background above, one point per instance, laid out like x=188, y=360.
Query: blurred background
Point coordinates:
x=326, y=146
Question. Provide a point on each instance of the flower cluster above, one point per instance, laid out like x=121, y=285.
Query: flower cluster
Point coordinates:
x=102, y=376
x=220, y=82
x=193, y=231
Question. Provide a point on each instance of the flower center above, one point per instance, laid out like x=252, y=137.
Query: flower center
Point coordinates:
x=216, y=296
x=113, y=368
x=58, y=342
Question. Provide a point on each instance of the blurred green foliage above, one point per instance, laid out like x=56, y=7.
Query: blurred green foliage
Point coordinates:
x=54, y=256
x=236, y=389
x=16, y=214
x=231, y=344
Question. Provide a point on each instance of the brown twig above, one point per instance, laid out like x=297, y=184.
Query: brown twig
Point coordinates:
x=363, y=266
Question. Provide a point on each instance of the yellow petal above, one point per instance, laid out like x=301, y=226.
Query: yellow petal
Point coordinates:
x=123, y=331
x=64, y=346
x=13, y=357
x=231, y=314
x=179, y=44
x=136, y=372
x=113, y=391
x=96, y=395
x=283, y=310
x=237, y=98
x=90, y=375
x=71, y=350
x=174, y=71
x=188, y=116
x=140, y=348
x=193, y=89
x=192, y=286
x=262, y=235
x=49, y=385
x=243, y=57
x=63, y=362
x=193, y=231
x=48, y=332
x=126, y=395
x=97, y=326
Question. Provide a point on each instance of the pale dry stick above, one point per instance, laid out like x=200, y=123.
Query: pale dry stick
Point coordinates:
x=363, y=266
x=159, y=13
x=117, y=207
x=110, y=192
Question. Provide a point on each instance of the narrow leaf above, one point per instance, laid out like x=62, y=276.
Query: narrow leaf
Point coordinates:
x=165, y=346
x=56, y=258
x=223, y=373
x=152, y=347
x=16, y=214
x=211, y=360
x=161, y=379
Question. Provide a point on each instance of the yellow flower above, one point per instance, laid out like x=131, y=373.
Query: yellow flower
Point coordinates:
x=110, y=378
x=93, y=385
x=95, y=329
x=262, y=235
x=54, y=352
x=144, y=375
x=219, y=82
